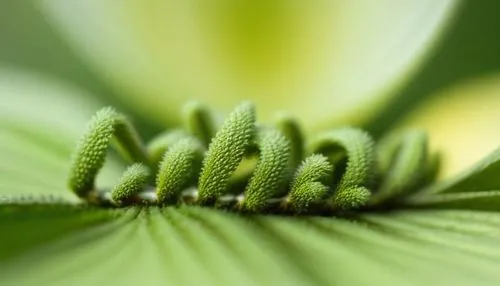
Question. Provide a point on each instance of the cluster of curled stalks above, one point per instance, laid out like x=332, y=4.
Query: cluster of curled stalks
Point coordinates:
x=251, y=168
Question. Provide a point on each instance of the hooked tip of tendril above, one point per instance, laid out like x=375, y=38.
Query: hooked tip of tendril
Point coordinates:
x=130, y=184
x=90, y=153
x=178, y=168
x=352, y=198
x=225, y=152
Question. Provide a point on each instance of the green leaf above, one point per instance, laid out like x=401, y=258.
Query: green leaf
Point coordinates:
x=26, y=226
x=201, y=246
x=483, y=176
x=74, y=245
x=449, y=236
x=488, y=200
x=475, y=189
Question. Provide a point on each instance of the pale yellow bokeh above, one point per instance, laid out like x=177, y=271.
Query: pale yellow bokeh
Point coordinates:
x=462, y=121
x=318, y=60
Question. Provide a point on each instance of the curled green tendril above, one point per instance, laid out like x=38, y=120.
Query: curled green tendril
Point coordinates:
x=199, y=121
x=403, y=165
x=225, y=153
x=356, y=149
x=310, y=183
x=253, y=168
x=131, y=183
x=485, y=200
x=91, y=151
x=178, y=169
x=268, y=176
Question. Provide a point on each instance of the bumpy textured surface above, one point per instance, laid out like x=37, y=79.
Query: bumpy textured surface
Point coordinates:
x=131, y=183
x=314, y=168
x=226, y=152
x=91, y=150
x=339, y=175
x=310, y=182
x=179, y=167
x=358, y=148
x=291, y=130
x=352, y=197
x=268, y=176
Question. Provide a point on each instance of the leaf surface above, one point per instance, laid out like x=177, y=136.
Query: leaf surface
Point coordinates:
x=194, y=246
x=483, y=176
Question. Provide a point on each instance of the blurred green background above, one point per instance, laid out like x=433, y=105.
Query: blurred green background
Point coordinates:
x=28, y=41
x=469, y=48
